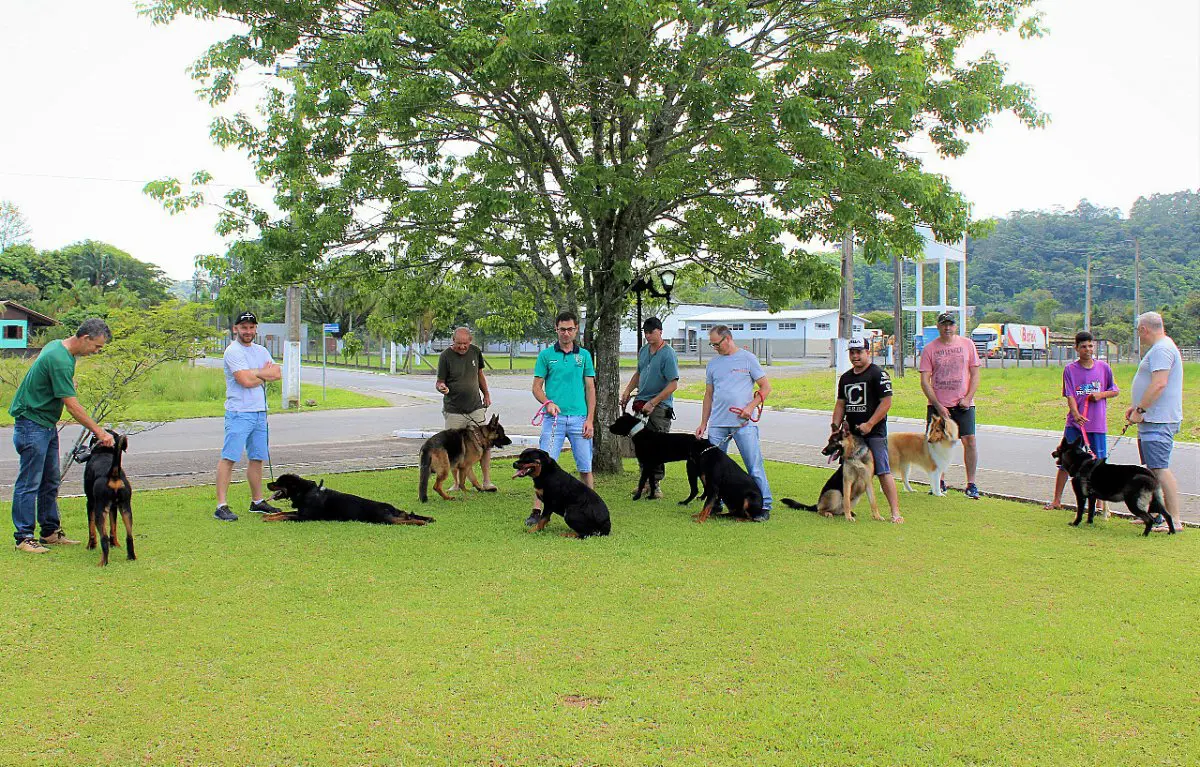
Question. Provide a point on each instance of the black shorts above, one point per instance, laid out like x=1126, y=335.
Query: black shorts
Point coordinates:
x=963, y=416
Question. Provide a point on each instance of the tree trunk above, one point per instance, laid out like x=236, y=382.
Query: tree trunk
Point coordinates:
x=603, y=333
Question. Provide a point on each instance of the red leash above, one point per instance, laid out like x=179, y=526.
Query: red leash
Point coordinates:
x=755, y=415
x=540, y=415
x=1083, y=426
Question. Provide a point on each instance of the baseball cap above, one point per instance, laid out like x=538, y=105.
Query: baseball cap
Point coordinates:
x=856, y=344
x=947, y=317
x=651, y=323
x=246, y=317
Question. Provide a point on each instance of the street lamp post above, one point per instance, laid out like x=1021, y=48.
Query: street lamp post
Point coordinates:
x=646, y=285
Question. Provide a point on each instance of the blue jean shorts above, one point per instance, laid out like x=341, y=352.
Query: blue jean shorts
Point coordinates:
x=879, y=451
x=245, y=432
x=1156, y=441
x=564, y=427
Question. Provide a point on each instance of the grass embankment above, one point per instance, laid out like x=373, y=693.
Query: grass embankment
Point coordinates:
x=980, y=633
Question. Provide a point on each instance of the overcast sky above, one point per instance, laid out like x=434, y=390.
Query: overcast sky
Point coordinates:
x=96, y=101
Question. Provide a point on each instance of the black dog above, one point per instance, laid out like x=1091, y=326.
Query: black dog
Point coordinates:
x=578, y=504
x=725, y=481
x=653, y=449
x=108, y=493
x=316, y=503
x=1099, y=480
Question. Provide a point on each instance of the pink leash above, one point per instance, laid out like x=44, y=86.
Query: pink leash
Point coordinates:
x=1083, y=426
x=540, y=415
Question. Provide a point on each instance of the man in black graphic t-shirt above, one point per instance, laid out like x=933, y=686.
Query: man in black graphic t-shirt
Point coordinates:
x=864, y=396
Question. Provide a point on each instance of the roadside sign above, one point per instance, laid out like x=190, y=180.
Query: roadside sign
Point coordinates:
x=332, y=327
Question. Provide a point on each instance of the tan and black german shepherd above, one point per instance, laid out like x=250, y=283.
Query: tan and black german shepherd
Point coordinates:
x=849, y=482
x=458, y=450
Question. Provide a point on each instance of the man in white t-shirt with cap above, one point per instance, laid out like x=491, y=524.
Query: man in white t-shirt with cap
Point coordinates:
x=248, y=368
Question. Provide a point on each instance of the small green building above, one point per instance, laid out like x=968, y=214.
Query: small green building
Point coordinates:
x=17, y=323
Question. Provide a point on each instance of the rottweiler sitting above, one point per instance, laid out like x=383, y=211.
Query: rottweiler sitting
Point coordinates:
x=653, y=449
x=314, y=502
x=725, y=481
x=560, y=493
x=108, y=494
x=1093, y=480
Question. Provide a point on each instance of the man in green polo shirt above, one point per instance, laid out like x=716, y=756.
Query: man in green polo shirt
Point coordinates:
x=564, y=381
x=47, y=388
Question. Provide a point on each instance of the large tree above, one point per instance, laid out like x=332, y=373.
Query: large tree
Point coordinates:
x=577, y=143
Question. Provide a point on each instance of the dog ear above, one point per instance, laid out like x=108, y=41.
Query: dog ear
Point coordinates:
x=321, y=484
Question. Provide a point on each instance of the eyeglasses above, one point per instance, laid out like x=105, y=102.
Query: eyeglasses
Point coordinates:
x=717, y=344
x=566, y=330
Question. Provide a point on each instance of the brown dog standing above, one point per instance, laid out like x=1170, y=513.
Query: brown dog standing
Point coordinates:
x=458, y=450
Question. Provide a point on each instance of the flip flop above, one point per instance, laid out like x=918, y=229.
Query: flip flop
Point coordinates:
x=897, y=520
x=491, y=489
x=1052, y=506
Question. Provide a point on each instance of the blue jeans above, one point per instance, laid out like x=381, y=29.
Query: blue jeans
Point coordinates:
x=746, y=438
x=35, y=493
x=557, y=430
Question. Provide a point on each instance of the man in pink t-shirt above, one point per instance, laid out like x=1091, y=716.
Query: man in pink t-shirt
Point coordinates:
x=949, y=377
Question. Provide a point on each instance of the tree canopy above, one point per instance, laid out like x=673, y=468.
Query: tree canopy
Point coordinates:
x=576, y=144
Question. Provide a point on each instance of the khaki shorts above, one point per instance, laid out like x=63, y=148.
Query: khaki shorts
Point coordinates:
x=463, y=420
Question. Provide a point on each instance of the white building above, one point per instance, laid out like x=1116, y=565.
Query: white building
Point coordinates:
x=787, y=334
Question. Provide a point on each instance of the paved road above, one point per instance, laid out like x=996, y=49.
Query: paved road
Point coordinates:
x=1013, y=462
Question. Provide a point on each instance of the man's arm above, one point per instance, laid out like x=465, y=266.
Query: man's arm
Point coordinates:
x=254, y=377
x=483, y=388
x=972, y=387
x=839, y=414
x=629, y=387
x=1158, y=384
x=79, y=414
x=589, y=392
x=885, y=404
x=760, y=397
x=705, y=410
x=667, y=391
x=930, y=396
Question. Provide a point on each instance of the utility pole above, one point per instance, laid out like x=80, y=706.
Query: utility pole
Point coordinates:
x=291, y=349
x=898, y=317
x=1137, y=294
x=1087, y=296
x=841, y=361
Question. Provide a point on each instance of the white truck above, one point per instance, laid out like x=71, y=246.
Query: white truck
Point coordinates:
x=1011, y=340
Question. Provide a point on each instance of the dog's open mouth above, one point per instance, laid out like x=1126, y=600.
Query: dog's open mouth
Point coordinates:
x=524, y=469
x=278, y=495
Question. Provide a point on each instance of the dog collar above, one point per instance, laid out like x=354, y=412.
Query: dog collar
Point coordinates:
x=641, y=424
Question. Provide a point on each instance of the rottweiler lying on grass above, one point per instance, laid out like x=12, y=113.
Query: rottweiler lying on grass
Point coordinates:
x=316, y=503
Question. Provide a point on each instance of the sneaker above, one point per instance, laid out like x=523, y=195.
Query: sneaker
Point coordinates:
x=58, y=538
x=262, y=507
x=30, y=546
x=766, y=514
x=224, y=514
x=534, y=517
x=972, y=492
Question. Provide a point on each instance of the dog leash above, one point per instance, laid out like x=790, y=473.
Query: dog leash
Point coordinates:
x=540, y=415
x=1083, y=426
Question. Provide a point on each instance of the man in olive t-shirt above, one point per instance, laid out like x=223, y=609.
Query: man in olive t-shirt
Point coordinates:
x=465, y=395
x=36, y=407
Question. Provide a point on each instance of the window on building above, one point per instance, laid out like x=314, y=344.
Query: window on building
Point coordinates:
x=787, y=326
x=736, y=326
x=14, y=332
x=758, y=326
x=706, y=325
x=822, y=326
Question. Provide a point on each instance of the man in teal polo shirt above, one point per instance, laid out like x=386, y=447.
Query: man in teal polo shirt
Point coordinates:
x=564, y=381
x=656, y=380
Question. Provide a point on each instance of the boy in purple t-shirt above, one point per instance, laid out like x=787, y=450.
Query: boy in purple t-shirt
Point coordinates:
x=1087, y=385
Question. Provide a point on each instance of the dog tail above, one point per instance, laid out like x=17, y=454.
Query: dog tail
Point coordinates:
x=426, y=459
x=797, y=505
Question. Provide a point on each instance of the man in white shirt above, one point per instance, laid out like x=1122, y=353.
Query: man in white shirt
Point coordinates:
x=248, y=367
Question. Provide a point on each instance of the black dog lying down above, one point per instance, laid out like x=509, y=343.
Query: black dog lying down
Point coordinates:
x=1099, y=480
x=724, y=480
x=315, y=503
x=582, y=508
x=653, y=449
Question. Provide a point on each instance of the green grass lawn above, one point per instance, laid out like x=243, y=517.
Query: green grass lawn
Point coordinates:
x=1027, y=397
x=180, y=391
x=979, y=633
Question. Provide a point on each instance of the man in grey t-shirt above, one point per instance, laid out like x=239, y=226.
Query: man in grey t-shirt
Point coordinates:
x=656, y=379
x=729, y=402
x=1157, y=406
x=248, y=366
